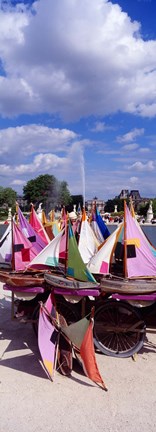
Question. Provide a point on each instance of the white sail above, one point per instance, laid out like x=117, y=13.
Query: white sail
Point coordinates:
x=97, y=232
x=49, y=256
x=88, y=243
x=6, y=248
x=100, y=262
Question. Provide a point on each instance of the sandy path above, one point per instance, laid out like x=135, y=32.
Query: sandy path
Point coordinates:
x=29, y=402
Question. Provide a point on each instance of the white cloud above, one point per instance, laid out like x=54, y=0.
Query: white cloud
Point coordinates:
x=130, y=147
x=130, y=136
x=139, y=166
x=76, y=58
x=29, y=139
x=18, y=182
x=70, y=168
x=101, y=127
x=144, y=150
x=134, y=180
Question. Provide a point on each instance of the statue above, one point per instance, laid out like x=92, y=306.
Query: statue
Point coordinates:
x=39, y=211
x=9, y=215
x=149, y=213
x=73, y=214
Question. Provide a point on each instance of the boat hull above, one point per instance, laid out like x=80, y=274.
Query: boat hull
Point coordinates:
x=64, y=283
x=131, y=286
x=21, y=279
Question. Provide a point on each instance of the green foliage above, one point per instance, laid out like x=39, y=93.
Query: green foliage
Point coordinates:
x=7, y=197
x=154, y=207
x=3, y=214
x=142, y=209
x=64, y=194
x=46, y=189
x=110, y=204
x=75, y=200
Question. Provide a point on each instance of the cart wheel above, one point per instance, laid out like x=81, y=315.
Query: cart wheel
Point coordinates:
x=68, y=310
x=119, y=331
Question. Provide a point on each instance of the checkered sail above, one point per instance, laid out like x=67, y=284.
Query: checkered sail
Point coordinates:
x=23, y=251
x=29, y=232
x=129, y=246
x=37, y=226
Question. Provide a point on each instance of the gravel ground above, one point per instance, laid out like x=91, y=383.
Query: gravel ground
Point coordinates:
x=29, y=402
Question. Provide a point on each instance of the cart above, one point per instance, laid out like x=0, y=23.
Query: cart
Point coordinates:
x=119, y=320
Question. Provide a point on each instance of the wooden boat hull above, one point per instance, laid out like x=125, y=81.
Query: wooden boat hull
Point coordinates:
x=64, y=283
x=21, y=279
x=131, y=286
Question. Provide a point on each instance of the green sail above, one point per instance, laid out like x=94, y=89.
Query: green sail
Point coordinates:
x=76, y=267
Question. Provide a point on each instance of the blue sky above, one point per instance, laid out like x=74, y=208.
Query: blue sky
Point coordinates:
x=78, y=94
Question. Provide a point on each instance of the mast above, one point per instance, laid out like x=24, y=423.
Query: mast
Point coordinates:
x=12, y=260
x=125, y=243
x=67, y=241
x=83, y=218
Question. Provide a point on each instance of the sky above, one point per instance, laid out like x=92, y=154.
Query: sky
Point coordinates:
x=78, y=95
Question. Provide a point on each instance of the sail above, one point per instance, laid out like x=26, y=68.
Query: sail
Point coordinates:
x=23, y=251
x=153, y=249
x=76, y=268
x=30, y=233
x=88, y=243
x=49, y=256
x=140, y=260
x=96, y=229
x=47, y=338
x=81, y=336
x=55, y=228
x=100, y=262
x=89, y=362
x=47, y=226
x=63, y=218
x=98, y=225
x=76, y=331
x=38, y=227
x=103, y=227
x=6, y=248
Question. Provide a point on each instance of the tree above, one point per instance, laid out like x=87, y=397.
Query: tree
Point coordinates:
x=142, y=209
x=154, y=206
x=75, y=200
x=64, y=194
x=110, y=204
x=7, y=196
x=46, y=189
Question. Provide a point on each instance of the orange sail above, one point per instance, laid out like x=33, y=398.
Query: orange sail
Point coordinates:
x=88, y=357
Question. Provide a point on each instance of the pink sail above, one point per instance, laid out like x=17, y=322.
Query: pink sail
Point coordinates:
x=140, y=259
x=30, y=233
x=47, y=338
x=23, y=251
x=38, y=227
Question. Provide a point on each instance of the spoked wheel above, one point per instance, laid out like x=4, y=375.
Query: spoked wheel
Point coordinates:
x=119, y=330
x=66, y=309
